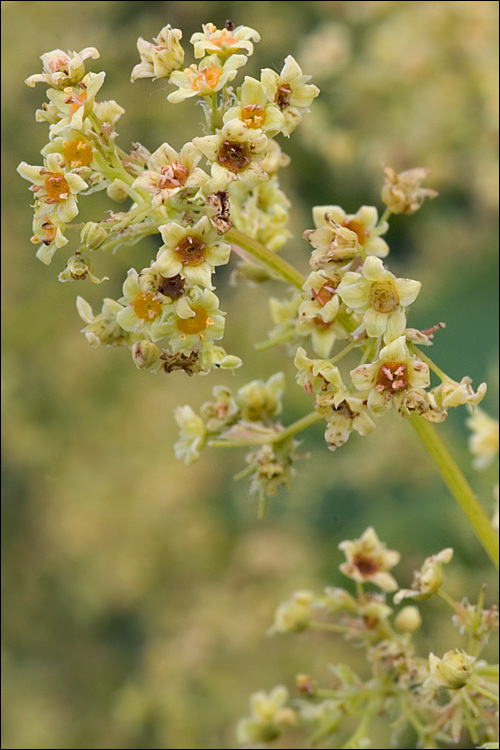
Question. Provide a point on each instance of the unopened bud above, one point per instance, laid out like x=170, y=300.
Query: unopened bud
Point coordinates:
x=408, y=620
x=452, y=671
x=93, y=235
x=145, y=354
x=116, y=192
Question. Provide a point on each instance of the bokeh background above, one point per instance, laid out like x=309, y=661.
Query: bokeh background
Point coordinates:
x=137, y=591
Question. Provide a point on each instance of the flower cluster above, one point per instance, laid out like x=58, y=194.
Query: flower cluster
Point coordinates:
x=440, y=699
x=169, y=315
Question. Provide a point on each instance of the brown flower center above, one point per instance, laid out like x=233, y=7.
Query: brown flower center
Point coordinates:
x=253, y=115
x=172, y=287
x=282, y=96
x=57, y=187
x=191, y=251
x=392, y=377
x=233, y=156
x=77, y=153
x=207, y=76
x=174, y=175
x=366, y=565
x=147, y=306
x=196, y=324
x=357, y=228
x=384, y=297
x=321, y=324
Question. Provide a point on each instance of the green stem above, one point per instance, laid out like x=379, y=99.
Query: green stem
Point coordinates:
x=281, y=338
x=328, y=626
x=272, y=260
x=458, y=486
x=270, y=438
x=493, y=697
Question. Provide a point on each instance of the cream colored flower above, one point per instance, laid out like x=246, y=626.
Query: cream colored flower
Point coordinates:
x=428, y=579
x=316, y=375
x=402, y=192
x=450, y=393
x=261, y=212
x=224, y=42
x=364, y=223
x=483, y=443
x=55, y=189
x=269, y=717
x=290, y=92
x=70, y=107
x=318, y=310
x=192, y=252
x=204, y=79
x=192, y=434
x=294, y=615
x=104, y=327
x=235, y=153
x=160, y=59
x=142, y=312
x=170, y=172
x=49, y=234
x=204, y=325
x=254, y=109
x=451, y=672
x=389, y=380
x=380, y=297
x=343, y=413
x=368, y=561
x=61, y=69
x=259, y=401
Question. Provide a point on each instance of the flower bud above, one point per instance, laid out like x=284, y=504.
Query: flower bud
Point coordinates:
x=451, y=672
x=116, y=192
x=145, y=354
x=408, y=620
x=93, y=235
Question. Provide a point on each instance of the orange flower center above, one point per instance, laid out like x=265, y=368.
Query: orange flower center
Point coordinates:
x=191, y=251
x=384, y=297
x=57, y=188
x=75, y=100
x=207, y=76
x=392, y=377
x=196, y=324
x=77, y=153
x=223, y=39
x=253, y=115
x=233, y=156
x=147, y=306
x=174, y=175
x=357, y=228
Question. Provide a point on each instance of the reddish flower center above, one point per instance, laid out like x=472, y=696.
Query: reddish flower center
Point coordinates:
x=191, y=251
x=56, y=187
x=384, y=297
x=77, y=153
x=196, y=324
x=366, y=565
x=253, y=115
x=392, y=377
x=208, y=77
x=174, y=175
x=282, y=96
x=321, y=324
x=75, y=100
x=233, y=156
x=325, y=294
x=147, y=306
x=172, y=286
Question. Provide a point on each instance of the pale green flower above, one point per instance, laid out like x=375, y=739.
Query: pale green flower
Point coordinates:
x=204, y=79
x=146, y=355
x=261, y=212
x=193, y=252
x=70, y=107
x=269, y=717
x=235, y=152
x=290, y=91
x=364, y=223
x=170, y=172
x=380, y=297
x=143, y=309
x=104, y=327
x=483, y=443
x=317, y=375
x=368, y=561
x=254, y=109
x=160, y=59
x=224, y=42
x=294, y=615
x=75, y=149
x=54, y=188
x=428, y=579
x=451, y=672
x=48, y=232
x=451, y=393
x=79, y=268
x=62, y=69
x=318, y=310
x=222, y=411
x=402, y=192
x=192, y=434
x=343, y=413
x=390, y=379
x=260, y=401
x=204, y=326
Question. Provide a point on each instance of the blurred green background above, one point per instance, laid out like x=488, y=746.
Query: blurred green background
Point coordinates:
x=137, y=591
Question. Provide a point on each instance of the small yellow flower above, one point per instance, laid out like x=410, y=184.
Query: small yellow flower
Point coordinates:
x=451, y=672
x=317, y=375
x=224, y=42
x=254, y=109
x=318, y=311
x=170, y=172
x=235, y=153
x=49, y=233
x=103, y=328
x=380, y=296
x=294, y=615
x=450, y=393
x=402, y=192
x=368, y=561
x=428, y=579
x=290, y=92
x=204, y=79
x=194, y=331
x=70, y=107
x=269, y=717
x=192, y=434
x=160, y=59
x=61, y=69
x=364, y=224
x=260, y=401
x=54, y=188
x=343, y=413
